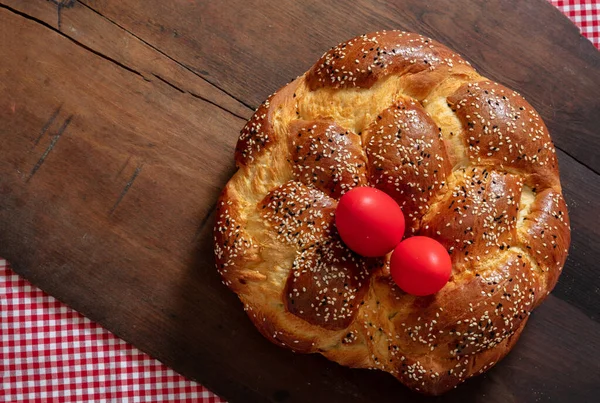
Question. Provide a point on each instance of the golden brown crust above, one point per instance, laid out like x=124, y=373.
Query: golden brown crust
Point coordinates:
x=362, y=61
x=503, y=130
x=470, y=162
x=327, y=156
x=258, y=133
x=546, y=235
x=477, y=217
x=407, y=158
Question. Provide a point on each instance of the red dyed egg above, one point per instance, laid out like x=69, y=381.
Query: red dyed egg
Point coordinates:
x=420, y=266
x=369, y=221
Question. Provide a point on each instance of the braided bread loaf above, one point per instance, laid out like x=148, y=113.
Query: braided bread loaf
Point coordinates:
x=469, y=161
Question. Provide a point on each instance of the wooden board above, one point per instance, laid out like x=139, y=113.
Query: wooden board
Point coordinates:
x=117, y=126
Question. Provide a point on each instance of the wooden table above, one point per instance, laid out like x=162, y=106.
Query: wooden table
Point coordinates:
x=118, y=121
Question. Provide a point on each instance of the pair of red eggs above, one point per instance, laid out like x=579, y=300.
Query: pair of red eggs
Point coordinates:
x=371, y=223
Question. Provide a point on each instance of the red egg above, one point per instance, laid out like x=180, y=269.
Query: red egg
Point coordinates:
x=369, y=221
x=420, y=266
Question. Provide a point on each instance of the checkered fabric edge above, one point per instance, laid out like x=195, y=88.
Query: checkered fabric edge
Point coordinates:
x=51, y=353
x=585, y=14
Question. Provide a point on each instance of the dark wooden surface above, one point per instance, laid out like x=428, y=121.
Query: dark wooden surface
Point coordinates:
x=117, y=126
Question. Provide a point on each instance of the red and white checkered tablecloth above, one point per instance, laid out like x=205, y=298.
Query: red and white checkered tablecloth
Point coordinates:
x=585, y=14
x=50, y=353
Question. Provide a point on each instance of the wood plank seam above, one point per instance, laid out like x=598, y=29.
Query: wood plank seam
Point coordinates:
x=577, y=160
x=56, y=137
x=121, y=65
x=198, y=96
x=127, y=68
x=169, y=57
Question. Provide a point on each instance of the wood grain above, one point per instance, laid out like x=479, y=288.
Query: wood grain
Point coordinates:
x=117, y=132
x=526, y=45
x=88, y=29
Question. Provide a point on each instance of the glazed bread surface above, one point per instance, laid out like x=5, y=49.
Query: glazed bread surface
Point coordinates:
x=471, y=164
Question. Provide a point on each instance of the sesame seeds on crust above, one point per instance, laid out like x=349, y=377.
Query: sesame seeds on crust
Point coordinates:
x=361, y=61
x=499, y=211
x=327, y=156
x=327, y=284
x=502, y=129
x=477, y=218
x=327, y=280
x=407, y=158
